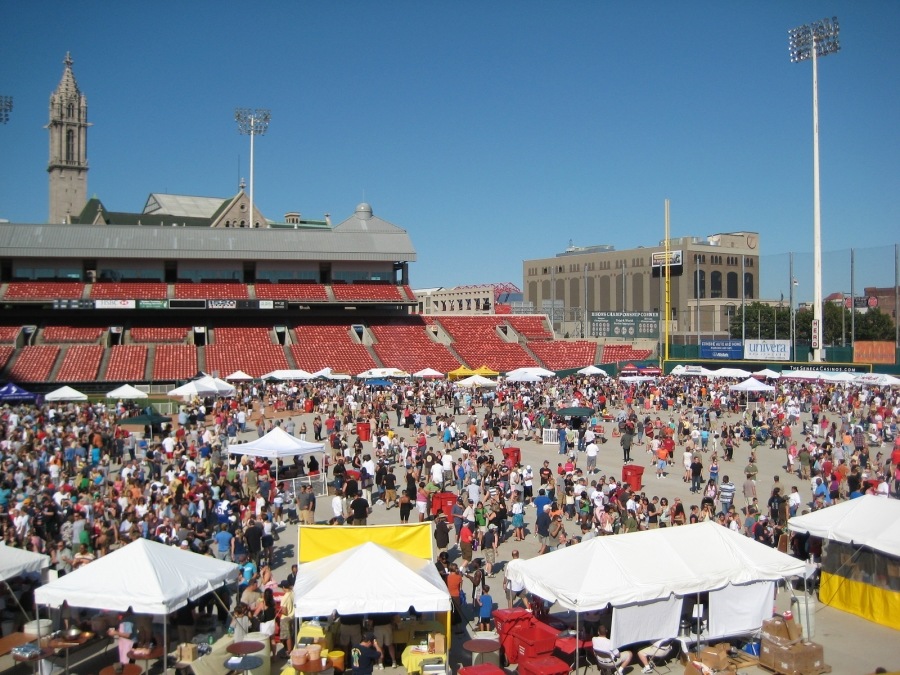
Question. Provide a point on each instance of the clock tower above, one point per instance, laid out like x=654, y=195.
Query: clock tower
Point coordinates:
x=68, y=164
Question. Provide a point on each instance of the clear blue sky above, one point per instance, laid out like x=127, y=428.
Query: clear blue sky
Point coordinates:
x=492, y=131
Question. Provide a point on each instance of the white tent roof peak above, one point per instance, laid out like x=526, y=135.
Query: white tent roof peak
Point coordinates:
x=16, y=561
x=126, y=391
x=276, y=443
x=869, y=520
x=65, y=394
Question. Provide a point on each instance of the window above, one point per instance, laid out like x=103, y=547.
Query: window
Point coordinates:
x=731, y=281
x=715, y=285
x=700, y=284
x=70, y=146
x=748, y=285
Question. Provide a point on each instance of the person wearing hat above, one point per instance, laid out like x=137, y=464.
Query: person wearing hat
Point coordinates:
x=365, y=655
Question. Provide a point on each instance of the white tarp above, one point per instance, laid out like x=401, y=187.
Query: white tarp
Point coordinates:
x=383, y=372
x=625, y=569
x=428, y=372
x=16, y=561
x=126, y=391
x=475, y=381
x=276, y=444
x=329, y=374
x=65, y=394
x=875, y=380
x=384, y=580
x=869, y=520
x=147, y=576
x=295, y=374
x=751, y=384
x=239, y=375
x=203, y=386
x=592, y=370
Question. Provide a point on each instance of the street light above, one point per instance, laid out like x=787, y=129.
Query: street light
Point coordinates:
x=811, y=41
x=6, y=105
x=252, y=122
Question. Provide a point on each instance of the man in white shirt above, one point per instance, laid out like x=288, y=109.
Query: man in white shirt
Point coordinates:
x=607, y=654
x=591, y=450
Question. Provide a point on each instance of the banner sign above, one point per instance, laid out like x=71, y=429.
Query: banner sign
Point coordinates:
x=874, y=352
x=767, y=350
x=152, y=304
x=658, y=258
x=625, y=325
x=721, y=349
x=115, y=304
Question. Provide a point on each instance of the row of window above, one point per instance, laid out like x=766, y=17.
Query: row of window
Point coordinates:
x=715, y=285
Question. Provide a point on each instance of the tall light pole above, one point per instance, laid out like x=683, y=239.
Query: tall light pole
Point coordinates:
x=252, y=122
x=811, y=41
x=6, y=106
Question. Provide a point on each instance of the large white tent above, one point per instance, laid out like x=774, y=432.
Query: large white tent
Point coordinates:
x=147, y=576
x=382, y=372
x=428, y=373
x=203, y=386
x=276, y=444
x=384, y=580
x=126, y=391
x=293, y=374
x=751, y=384
x=592, y=370
x=476, y=381
x=624, y=572
x=875, y=380
x=16, y=561
x=66, y=393
x=866, y=521
x=329, y=374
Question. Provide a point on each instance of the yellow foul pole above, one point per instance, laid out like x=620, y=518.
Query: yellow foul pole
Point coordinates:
x=666, y=268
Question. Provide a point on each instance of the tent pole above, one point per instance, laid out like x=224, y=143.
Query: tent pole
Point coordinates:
x=165, y=654
x=577, y=639
x=10, y=591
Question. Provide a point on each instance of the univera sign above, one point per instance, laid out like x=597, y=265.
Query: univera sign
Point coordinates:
x=767, y=350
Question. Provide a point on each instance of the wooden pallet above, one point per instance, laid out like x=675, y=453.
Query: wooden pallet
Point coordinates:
x=742, y=660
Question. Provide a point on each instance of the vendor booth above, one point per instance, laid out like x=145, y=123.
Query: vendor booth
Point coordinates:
x=722, y=581
x=861, y=556
x=277, y=445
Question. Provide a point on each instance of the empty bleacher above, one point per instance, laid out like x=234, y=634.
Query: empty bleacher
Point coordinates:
x=532, y=327
x=295, y=292
x=564, y=355
x=211, y=291
x=44, y=290
x=330, y=347
x=9, y=334
x=243, y=335
x=245, y=348
x=476, y=340
x=34, y=363
x=71, y=334
x=617, y=353
x=135, y=290
x=174, y=362
x=6, y=352
x=127, y=363
x=80, y=363
x=153, y=334
x=408, y=347
x=366, y=293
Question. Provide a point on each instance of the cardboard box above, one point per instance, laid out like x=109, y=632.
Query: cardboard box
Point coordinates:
x=809, y=657
x=186, y=652
x=806, y=658
x=776, y=630
x=793, y=629
x=714, y=657
x=440, y=644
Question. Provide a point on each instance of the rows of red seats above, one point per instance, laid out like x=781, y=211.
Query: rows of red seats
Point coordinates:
x=409, y=348
x=174, y=362
x=256, y=360
x=475, y=339
x=531, y=326
x=409, y=292
x=297, y=292
x=34, y=363
x=80, y=363
x=243, y=335
x=127, y=363
x=155, y=334
x=366, y=292
x=330, y=347
x=211, y=291
x=44, y=290
x=9, y=334
x=139, y=290
x=6, y=351
x=563, y=355
x=72, y=334
x=618, y=353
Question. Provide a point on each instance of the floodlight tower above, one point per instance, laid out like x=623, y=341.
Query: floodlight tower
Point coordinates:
x=252, y=122
x=6, y=106
x=811, y=41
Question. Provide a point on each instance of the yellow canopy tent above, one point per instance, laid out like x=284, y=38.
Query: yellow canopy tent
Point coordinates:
x=484, y=371
x=460, y=373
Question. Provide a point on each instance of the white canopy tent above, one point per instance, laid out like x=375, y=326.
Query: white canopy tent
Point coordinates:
x=276, y=445
x=126, y=391
x=531, y=370
x=875, y=380
x=751, y=384
x=329, y=374
x=15, y=562
x=815, y=375
x=65, y=394
x=428, y=372
x=728, y=372
x=239, y=376
x=866, y=521
x=146, y=576
x=768, y=373
x=624, y=572
x=523, y=377
x=203, y=386
x=290, y=374
x=476, y=381
x=384, y=580
x=383, y=372
x=592, y=370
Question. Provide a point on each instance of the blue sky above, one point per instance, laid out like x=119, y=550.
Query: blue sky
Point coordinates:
x=492, y=131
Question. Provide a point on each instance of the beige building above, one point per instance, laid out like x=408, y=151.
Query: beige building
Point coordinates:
x=68, y=166
x=706, y=287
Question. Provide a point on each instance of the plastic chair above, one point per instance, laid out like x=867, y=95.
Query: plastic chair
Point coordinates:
x=664, y=652
x=605, y=661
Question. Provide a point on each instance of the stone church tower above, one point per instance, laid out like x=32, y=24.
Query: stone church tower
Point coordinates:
x=68, y=165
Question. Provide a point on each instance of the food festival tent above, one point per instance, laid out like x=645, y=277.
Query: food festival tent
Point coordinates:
x=15, y=562
x=294, y=374
x=329, y=374
x=203, y=386
x=460, y=372
x=476, y=381
x=384, y=580
x=126, y=391
x=383, y=372
x=523, y=377
x=428, y=373
x=768, y=374
x=12, y=392
x=276, y=444
x=593, y=370
x=624, y=572
x=861, y=559
x=239, y=375
x=65, y=394
x=875, y=380
x=751, y=384
x=484, y=371
x=531, y=370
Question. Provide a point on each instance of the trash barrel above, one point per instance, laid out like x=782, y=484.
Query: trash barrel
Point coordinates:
x=633, y=474
x=364, y=431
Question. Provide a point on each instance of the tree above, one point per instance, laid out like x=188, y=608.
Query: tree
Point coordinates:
x=764, y=322
x=874, y=324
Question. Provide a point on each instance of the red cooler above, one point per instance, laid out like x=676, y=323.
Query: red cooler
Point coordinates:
x=544, y=665
x=632, y=474
x=533, y=640
x=505, y=620
x=364, y=431
x=482, y=669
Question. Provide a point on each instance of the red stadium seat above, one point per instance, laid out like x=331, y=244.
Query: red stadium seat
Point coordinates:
x=366, y=293
x=72, y=334
x=127, y=363
x=174, y=362
x=34, y=363
x=80, y=364
x=330, y=347
x=44, y=290
x=295, y=292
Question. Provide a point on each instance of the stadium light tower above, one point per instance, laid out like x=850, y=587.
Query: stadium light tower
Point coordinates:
x=252, y=122
x=811, y=41
x=6, y=105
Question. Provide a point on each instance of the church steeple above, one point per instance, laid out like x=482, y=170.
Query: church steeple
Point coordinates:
x=68, y=164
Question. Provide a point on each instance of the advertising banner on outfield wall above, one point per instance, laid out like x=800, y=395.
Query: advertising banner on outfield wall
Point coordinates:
x=874, y=352
x=767, y=350
x=721, y=349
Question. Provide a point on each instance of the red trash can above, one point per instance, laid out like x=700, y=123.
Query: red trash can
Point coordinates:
x=505, y=620
x=443, y=502
x=512, y=456
x=482, y=669
x=633, y=474
x=364, y=430
x=544, y=665
x=308, y=405
x=533, y=640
